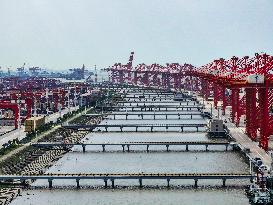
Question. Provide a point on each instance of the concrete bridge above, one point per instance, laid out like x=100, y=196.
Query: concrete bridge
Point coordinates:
x=136, y=126
x=148, y=103
x=112, y=177
x=152, y=107
x=154, y=114
x=127, y=145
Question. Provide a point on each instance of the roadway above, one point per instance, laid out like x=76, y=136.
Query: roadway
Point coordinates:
x=239, y=135
x=20, y=133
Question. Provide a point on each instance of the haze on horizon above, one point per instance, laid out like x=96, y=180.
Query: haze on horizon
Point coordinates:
x=61, y=34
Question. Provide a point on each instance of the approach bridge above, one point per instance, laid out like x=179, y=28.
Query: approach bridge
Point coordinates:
x=126, y=145
x=136, y=126
x=112, y=177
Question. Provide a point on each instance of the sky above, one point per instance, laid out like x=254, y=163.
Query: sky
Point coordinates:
x=62, y=34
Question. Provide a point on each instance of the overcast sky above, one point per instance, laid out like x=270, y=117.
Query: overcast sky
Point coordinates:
x=60, y=34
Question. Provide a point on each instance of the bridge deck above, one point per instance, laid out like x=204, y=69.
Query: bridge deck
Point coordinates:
x=53, y=176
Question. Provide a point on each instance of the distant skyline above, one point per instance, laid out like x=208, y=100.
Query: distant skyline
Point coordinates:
x=62, y=34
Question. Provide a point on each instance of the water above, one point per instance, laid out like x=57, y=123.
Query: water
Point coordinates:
x=197, y=160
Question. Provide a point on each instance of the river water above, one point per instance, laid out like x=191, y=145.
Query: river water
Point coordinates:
x=157, y=160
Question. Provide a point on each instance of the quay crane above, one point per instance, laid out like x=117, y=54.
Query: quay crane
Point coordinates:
x=245, y=84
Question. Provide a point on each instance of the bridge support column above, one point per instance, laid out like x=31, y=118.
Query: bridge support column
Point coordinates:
x=105, y=183
x=123, y=148
x=195, y=183
x=226, y=147
x=187, y=148
x=224, y=182
x=167, y=146
x=78, y=183
x=191, y=116
x=197, y=129
x=106, y=129
x=147, y=148
x=166, y=116
x=113, y=183
x=83, y=148
x=103, y=148
x=128, y=148
x=114, y=117
x=50, y=183
x=121, y=128
x=179, y=116
x=152, y=128
x=140, y=182
x=154, y=116
x=126, y=116
x=206, y=147
x=136, y=128
x=168, y=182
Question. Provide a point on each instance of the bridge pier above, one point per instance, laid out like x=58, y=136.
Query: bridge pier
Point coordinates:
x=103, y=147
x=147, y=148
x=187, y=148
x=166, y=116
x=182, y=128
x=179, y=116
x=136, y=128
x=206, y=147
x=106, y=129
x=152, y=128
x=167, y=146
x=168, y=182
x=224, y=182
x=191, y=116
x=83, y=148
x=123, y=148
x=121, y=128
x=50, y=183
x=114, y=116
x=105, y=183
x=197, y=129
x=140, y=182
x=226, y=147
x=195, y=183
x=154, y=116
x=113, y=183
x=78, y=183
x=128, y=148
x=126, y=116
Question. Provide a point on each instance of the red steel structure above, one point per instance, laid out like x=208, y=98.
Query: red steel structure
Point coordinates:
x=245, y=84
